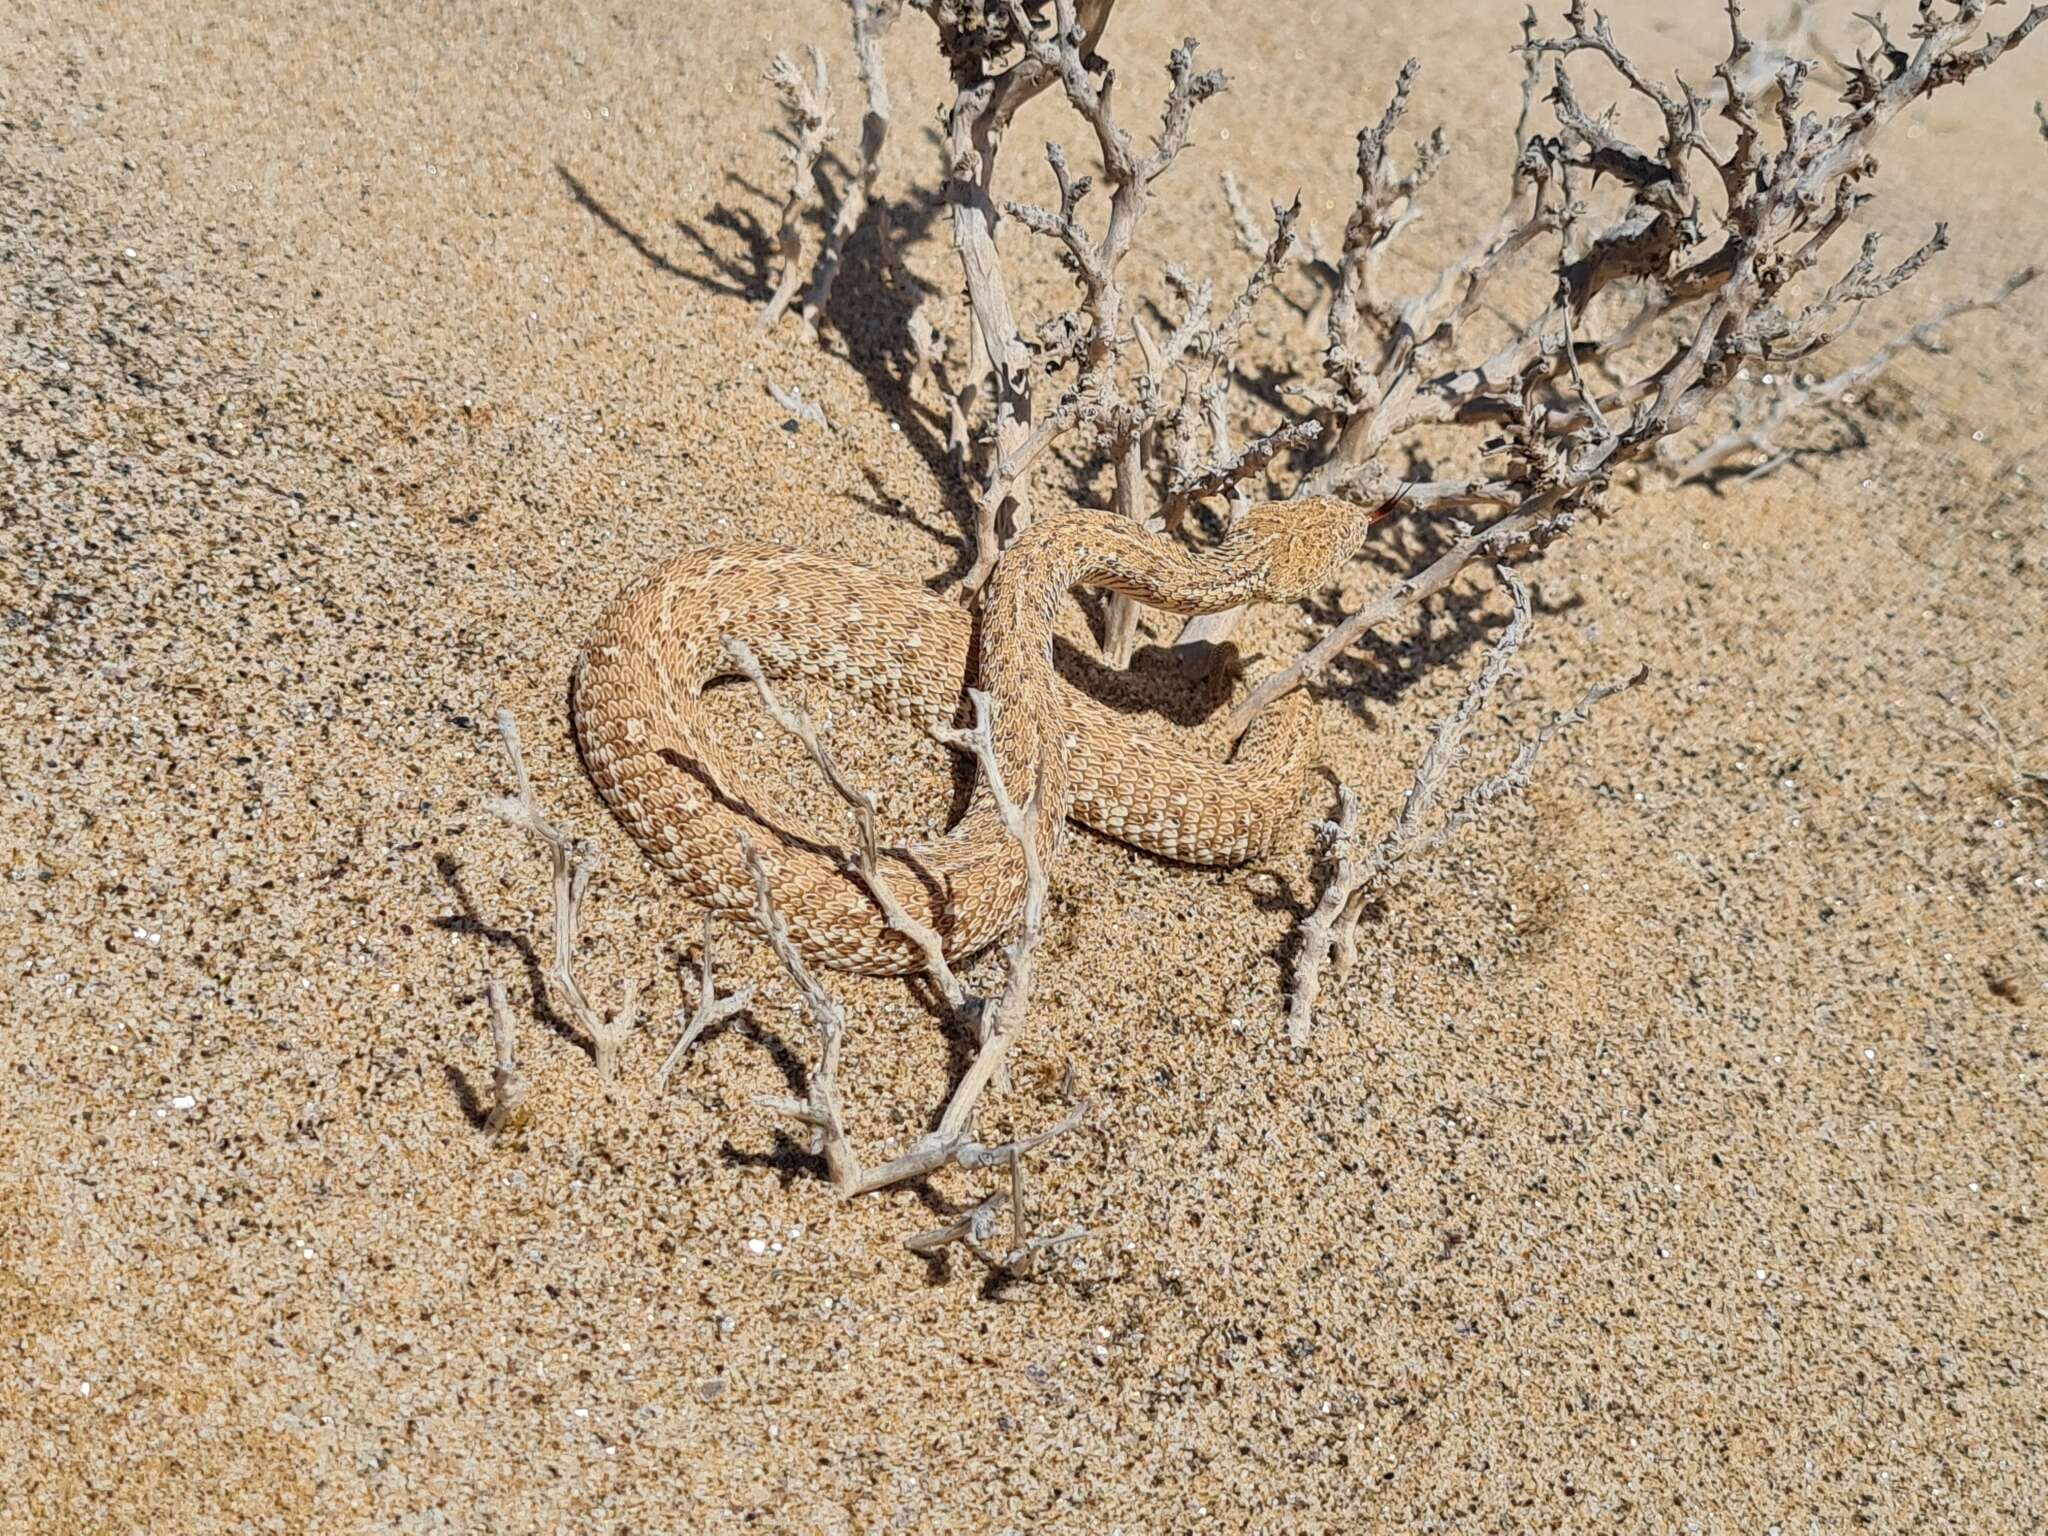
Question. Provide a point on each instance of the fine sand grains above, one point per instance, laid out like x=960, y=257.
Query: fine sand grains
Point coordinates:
x=1672, y=1160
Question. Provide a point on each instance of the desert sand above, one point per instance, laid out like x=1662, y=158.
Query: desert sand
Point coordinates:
x=1673, y=1162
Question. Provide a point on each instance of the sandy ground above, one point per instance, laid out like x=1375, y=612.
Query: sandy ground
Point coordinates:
x=1673, y=1163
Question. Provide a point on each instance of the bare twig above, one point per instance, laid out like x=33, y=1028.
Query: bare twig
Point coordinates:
x=953, y=1142
x=1005, y=1019
x=1091, y=339
x=821, y=1109
x=1499, y=538
x=711, y=1009
x=871, y=22
x=1761, y=436
x=809, y=105
x=941, y=1150
x=1355, y=877
x=573, y=860
x=800, y=410
x=508, y=1083
x=1227, y=469
x=1347, y=875
x=975, y=1227
x=1385, y=206
x=1265, y=272
x=991, y=83
x=868, y=852
x=1098, y=341
x=1246, y=228
x=1226, y=475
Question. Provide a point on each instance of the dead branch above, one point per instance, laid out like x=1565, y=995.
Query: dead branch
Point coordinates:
x=1225, y=476
x=508, y=1083
x=1306, y=253
x=821, y=1109
x=1091, y=339
x=1714, y=228
x=1211, y=347
x=991, y=83
x=1272, y=260
x=808, y=104
x=1762, y=435
x=1721, y=286
x=1504, y=536
x=800, y=410
x=572, y=861
x=871, y=22
x=1347, y=874
x=953, y=1143
x=1228, y=470
x=1170, y=424
x=1130, y=175
x=868, y=857
x=1095, y=335
x=1384, y=207
x=975, y=1227
x=711, y=1009
x=999, y=1025
x=1355, y=877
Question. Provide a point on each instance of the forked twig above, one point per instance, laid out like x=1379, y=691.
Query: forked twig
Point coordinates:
x=974, y=1228
x=868, y=852
x=871, y=22
x=821, y=1109
x=1761, y=437
x=1001, y=1022
x=809, y=105
x=572, y=861
x=711, y=1009
x=953, y=1142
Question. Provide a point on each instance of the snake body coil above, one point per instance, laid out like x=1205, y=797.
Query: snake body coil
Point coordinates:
x=649, y=744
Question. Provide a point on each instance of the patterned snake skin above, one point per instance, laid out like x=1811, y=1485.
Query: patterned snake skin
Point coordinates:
x=648, y=742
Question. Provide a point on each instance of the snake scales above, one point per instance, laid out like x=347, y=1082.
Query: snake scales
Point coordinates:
x=648, y=742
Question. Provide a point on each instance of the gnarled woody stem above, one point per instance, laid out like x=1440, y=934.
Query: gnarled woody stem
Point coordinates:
x=982, y=109
x=871, y=22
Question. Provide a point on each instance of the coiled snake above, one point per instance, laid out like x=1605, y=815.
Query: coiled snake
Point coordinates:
x=648, y=742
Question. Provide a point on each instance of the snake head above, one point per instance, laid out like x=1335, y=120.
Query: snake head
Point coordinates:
x=1303, y=541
